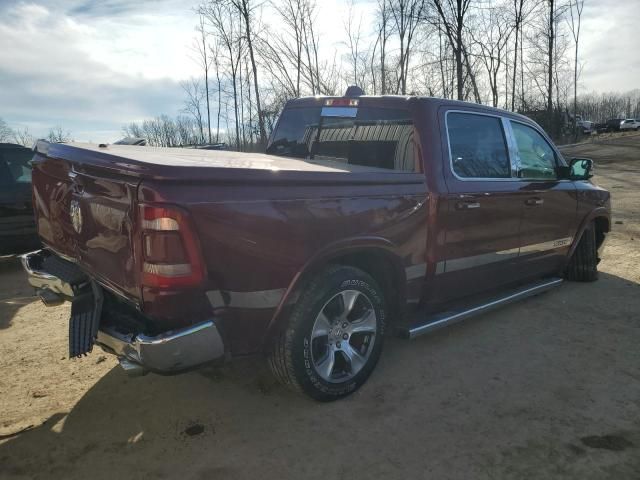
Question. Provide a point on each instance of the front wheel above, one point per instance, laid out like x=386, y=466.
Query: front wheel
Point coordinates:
x=583, y=265
x=334, y=336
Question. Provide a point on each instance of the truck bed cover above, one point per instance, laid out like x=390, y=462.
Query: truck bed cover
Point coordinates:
x=206, y=165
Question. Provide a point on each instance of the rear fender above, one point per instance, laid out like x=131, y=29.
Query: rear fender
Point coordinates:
x=332, y=254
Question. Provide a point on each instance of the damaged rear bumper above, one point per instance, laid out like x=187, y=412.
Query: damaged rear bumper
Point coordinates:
x=168, y=352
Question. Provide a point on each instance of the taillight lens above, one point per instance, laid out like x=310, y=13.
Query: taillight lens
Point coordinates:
x=171, y=255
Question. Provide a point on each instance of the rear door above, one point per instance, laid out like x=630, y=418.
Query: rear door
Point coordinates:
x=483, y=218
x=549, y=218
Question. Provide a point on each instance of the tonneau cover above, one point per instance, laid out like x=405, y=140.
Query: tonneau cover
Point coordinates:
x=205, y=165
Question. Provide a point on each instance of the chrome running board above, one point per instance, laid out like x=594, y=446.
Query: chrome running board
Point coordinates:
x=441, y=320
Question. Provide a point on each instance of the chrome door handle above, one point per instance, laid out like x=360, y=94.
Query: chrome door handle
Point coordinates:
x=467, y=205
x=534, y=202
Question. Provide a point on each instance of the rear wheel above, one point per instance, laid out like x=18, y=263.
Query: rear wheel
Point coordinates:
x=583, y=265
x=334, y=336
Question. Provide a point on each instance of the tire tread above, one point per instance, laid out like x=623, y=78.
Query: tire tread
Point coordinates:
x=583, y=265
x=280, y=359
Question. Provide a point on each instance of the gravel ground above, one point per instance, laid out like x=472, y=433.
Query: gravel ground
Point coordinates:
x=546, y=388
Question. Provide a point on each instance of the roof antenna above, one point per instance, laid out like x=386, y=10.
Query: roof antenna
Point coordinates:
x=353, y=91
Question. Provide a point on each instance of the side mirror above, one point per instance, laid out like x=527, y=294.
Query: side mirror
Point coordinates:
x=580, y=169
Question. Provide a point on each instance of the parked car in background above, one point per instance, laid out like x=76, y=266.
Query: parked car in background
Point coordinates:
x=584, y=126
x=367, y=214
x=17, y=227
x=611, y=125
x=141, y=142
x=630, y=124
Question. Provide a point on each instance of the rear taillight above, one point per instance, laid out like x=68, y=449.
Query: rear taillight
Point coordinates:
x=171, y=256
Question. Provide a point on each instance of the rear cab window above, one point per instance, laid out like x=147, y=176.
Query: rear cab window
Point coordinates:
x=358, y=135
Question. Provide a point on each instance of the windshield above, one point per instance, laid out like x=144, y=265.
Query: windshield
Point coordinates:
x=374, y=137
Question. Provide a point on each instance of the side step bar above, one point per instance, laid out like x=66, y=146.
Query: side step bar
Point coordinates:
x=441, y=320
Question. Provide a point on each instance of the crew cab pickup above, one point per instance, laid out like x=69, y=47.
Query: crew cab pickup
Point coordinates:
x=366, y=215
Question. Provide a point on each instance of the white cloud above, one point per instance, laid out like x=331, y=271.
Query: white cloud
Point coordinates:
x=90, y=74
x=609, y=46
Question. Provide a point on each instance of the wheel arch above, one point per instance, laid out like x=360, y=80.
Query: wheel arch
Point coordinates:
x=602, y=219
x=377, y=257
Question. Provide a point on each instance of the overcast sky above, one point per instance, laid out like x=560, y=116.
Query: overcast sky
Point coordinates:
x=92, y=66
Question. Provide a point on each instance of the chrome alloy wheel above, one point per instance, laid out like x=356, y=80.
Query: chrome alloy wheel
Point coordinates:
x=343, y=335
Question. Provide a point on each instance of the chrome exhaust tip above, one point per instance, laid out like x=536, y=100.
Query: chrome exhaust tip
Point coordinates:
x=132, y=369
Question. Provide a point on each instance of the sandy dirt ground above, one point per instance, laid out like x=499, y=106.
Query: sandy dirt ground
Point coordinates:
x=547, y=388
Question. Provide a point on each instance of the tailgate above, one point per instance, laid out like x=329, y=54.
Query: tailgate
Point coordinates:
x=86, y=213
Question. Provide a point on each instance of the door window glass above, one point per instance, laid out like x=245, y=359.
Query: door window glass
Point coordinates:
x=478, y=146
x=537, y=158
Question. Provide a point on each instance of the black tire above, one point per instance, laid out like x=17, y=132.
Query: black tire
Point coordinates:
x=583, y=265
x=291, y=356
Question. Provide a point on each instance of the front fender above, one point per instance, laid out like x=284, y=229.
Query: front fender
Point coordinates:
x=599, y=212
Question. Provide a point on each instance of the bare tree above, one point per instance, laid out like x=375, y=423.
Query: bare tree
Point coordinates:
x=164, y=131
x=58, y=135
x=216, y=63
x=6, y=133
x=133, y=130
x=519, y=16
x=516, y=53
x=204, y=60
x=287, y=47
x=551, y=39
x=353, y=31
x=575, y=11
x=310, y=44
x=247, y=8
x=452, y=20
x=383, y=33
x=23, y=137
x=227, y=29
x=494, y=37
x=291, y=54
x=194, y=103
x=406, y=15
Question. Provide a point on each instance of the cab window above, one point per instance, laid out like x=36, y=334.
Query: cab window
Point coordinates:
x=537, y=158
x=367, y=136
x=478, y=146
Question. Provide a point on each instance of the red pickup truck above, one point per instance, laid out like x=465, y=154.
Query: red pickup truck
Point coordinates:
x=366, y=215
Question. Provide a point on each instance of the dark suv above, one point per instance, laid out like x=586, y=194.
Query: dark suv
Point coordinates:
x=17, y=227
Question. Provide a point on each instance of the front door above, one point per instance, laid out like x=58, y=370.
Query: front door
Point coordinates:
x=549, y=215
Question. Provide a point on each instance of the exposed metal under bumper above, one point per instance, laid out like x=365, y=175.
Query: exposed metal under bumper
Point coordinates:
x=169, y=352
x=43, y=281
x=442, y=320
